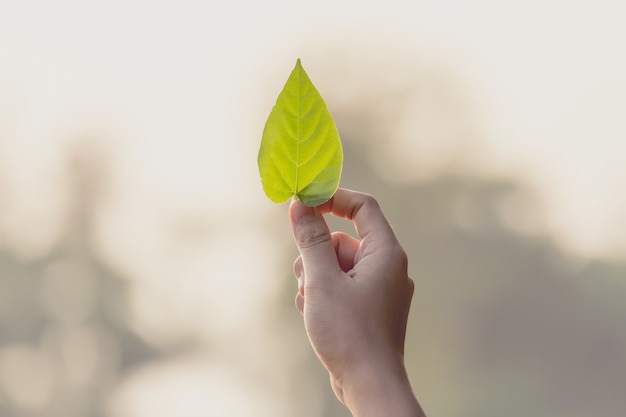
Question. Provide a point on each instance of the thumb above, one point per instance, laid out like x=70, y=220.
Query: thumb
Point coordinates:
x=314, y=241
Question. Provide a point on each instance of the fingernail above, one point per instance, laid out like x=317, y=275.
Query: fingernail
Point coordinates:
x=301, y=285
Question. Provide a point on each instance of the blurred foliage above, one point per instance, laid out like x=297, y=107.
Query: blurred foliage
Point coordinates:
x=503, y=322
x=65, y=340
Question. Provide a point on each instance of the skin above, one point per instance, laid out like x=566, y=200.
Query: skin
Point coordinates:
x=354, y=296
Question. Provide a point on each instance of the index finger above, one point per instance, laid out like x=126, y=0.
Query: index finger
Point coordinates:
x=363, y=210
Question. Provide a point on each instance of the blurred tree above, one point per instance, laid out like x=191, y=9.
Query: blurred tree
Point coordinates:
x=64, y=337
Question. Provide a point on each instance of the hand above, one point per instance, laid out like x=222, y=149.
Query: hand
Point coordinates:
x=355, y=296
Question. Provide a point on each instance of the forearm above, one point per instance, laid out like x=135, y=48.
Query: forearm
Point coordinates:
x=380, y=389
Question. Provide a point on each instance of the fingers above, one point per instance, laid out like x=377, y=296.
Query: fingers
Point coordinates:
x=324, y=256
x=314, y=241
x=298, y=270
x=363, y=210
x=346, y=248
x=300, y=303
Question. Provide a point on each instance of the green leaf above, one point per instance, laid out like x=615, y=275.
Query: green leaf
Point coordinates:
x=300, y=154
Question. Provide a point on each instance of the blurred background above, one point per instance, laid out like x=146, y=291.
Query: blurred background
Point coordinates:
x=144, y=273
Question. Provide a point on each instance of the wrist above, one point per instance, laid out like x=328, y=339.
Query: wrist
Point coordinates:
x=378, y=387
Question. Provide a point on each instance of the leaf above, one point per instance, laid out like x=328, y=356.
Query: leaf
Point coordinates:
x=301, y=154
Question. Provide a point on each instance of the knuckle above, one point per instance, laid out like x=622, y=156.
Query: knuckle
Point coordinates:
x=312, y=237
x=368, y=200
x=411, y=287
x=397, y=255
x=403, y=258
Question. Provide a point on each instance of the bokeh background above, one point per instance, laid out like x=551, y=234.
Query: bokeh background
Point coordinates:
x=143, y=272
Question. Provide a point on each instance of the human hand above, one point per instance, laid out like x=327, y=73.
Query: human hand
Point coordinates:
x=355, y=296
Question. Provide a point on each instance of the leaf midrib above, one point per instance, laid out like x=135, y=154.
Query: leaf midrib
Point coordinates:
x=298, y=132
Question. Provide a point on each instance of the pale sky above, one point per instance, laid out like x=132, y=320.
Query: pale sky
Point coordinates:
x=548, y=75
